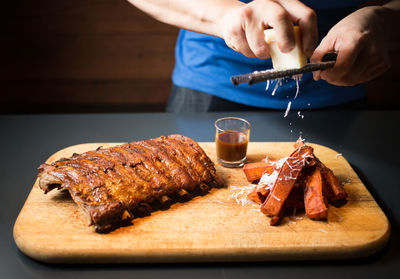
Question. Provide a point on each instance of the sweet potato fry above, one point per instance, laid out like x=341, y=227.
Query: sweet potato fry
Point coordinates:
x=314, y=200
x=334, y=189
x=296, y=198
x=302, y=181
x=256, y=196
x=275, y=219
x=264, y=191
x=254, y=171
x=290, y=171
x=299, y=143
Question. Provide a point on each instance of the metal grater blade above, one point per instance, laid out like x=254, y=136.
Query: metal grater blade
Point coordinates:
x=328, y=61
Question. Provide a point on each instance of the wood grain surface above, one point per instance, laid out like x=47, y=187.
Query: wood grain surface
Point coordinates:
x=213, y=227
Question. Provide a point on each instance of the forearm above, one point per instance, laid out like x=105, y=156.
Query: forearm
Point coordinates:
x=195, y=15
x=241, y=25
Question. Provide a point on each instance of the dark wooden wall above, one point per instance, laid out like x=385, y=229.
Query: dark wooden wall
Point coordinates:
x=91, y=55
x=98, y=55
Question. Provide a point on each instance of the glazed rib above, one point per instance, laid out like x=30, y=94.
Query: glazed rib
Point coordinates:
x=109, y=184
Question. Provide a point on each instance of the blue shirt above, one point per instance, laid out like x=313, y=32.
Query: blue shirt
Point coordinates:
x=205, y=63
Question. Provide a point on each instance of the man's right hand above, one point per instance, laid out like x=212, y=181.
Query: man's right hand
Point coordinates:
x=242, y=27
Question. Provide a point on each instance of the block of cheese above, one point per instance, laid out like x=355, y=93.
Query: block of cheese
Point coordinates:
x=290, y=60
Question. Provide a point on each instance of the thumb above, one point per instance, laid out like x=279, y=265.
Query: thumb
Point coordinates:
x=323, y=48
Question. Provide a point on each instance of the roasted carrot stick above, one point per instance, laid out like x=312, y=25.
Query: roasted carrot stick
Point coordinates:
x=290, y=171
x=254, y=171
x=299, y=143
x=314, y=200
x=263, y=191
x=334, y=189
x=256, y=196
x=296, y=198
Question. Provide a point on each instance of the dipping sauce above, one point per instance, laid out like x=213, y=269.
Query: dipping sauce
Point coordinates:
x=232, y=145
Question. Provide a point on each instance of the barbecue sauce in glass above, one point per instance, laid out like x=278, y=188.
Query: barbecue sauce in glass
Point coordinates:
x=232, y=146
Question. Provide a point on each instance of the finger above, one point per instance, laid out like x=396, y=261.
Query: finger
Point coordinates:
x=317, y=75
x=256, y=41
x=254, y=31
x=348, y=52
x=236, y=39
x=306, y=18
x=279, y=20
x=241, y=46
x=326, y=45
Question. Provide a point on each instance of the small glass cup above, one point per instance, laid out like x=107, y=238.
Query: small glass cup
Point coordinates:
x=231, y=137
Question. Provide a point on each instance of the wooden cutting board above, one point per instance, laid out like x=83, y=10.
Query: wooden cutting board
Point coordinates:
x=219, y=226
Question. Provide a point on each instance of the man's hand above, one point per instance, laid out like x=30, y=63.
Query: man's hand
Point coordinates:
x=242, y=27
x=359, y=39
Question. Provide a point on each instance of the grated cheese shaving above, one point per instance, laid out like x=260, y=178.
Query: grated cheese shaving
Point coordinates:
x=275, y=197
x=288, y=108
x=240, y=194
x=268, y=180
x=278, y=83
x=346, y=181
x=297, y=78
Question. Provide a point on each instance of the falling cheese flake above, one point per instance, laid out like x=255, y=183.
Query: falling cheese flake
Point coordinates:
x=288, y=109
x=278, y=83
x=297, y=79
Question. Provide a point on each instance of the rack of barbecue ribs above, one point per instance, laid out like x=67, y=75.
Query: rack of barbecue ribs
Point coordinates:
x=110, y=184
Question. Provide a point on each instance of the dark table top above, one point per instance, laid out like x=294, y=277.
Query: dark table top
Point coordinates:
x=368, y=139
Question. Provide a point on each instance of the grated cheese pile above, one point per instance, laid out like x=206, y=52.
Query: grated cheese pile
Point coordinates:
x=239, y=194
x=267, y=181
